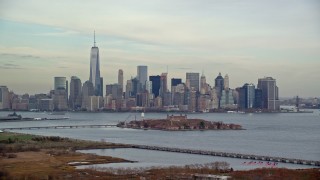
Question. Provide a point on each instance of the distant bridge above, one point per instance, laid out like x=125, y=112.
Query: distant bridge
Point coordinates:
x=229, y=155
x=61, y=127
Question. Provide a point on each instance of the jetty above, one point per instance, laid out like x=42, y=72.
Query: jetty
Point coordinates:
x=229, y=155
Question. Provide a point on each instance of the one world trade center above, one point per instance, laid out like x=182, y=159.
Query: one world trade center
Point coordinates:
x=95, y=69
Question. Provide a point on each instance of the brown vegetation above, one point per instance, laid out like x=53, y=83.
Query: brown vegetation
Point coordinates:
x=36, y=157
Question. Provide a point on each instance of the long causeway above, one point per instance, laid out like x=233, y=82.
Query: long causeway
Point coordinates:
x=230, y=155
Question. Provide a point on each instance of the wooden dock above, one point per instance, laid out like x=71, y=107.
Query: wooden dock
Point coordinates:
x=230, y=155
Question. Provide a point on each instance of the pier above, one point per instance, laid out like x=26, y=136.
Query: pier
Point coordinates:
x=61, y=127
x=229, y=155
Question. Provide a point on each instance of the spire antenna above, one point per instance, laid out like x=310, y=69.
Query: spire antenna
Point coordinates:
x=94, y=38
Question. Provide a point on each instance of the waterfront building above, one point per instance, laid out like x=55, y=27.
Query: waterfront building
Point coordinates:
x=4, y=98
x=179, y=95
x=163, y=84
x=174, y=83
x=60, y=100
x=247, y=96
x=226, y=100
x=214, y=104
x=167, y=98
x=95, y=69
x=87, y=91
x=60, y=83
x=94, y=103
x=142, y=76
x=192, y=100
x=193, y=80
x=258, y=99
x=46, y=104
x=128, y=89
x=204, y=103
x=219, y=86
x=75, y=93
x=136, y=87
x=226, y=82
x=156, y=83
x=270, y=93
x=120, y=80
x=60, y=93
x=204, y=87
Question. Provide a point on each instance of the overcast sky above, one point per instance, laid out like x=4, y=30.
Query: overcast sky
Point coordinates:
x=246, y=39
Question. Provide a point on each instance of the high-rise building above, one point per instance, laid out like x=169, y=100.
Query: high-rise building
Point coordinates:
x=258, y=99
x=60, y=83
x=4, y=97
x=75, y=93
x=204, y=87
x=95, y=69
x=120, y=80
x=219, y=86
x=155, y=85
x=163, y=84
x=247, y=96
x=87, y=91
x=60, y=96
x=175, y=81
x=128, y=89
x=193, y=80
x=226, y=98
x=270, y=95
x=219, y=83
x=142, y=76
x=226, y=82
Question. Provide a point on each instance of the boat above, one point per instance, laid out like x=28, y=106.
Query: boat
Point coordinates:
x=13, y=116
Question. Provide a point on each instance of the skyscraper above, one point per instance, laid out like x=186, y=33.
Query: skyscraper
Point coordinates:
x=120, y=80
x=226, y=82
x=155, y=85
x=270, y=99
x=75, y=93
x=60, y=97
x=4, y=97
x=193, y=79
x=163, y=84
x=142, y=75
x=219, y=83
x=247, y=96
x=95, y=69
x=60, y=83
x=87, y=91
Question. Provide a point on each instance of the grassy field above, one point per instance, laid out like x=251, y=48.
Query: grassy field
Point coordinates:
x=5, y=136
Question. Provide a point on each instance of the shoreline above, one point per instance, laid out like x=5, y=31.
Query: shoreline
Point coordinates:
x=40, y=157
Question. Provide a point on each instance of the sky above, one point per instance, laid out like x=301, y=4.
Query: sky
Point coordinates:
x=247, y=39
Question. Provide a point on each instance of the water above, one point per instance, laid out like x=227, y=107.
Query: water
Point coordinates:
x=290, y=135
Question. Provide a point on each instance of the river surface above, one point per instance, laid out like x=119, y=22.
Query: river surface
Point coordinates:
x=290, y=135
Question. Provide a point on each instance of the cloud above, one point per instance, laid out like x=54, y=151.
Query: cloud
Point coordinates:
x=10, y=66
x=28, y=56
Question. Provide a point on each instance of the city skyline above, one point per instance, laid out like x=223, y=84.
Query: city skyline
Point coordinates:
x=281, y=40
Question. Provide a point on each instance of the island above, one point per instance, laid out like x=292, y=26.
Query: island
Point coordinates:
x=178, y=123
